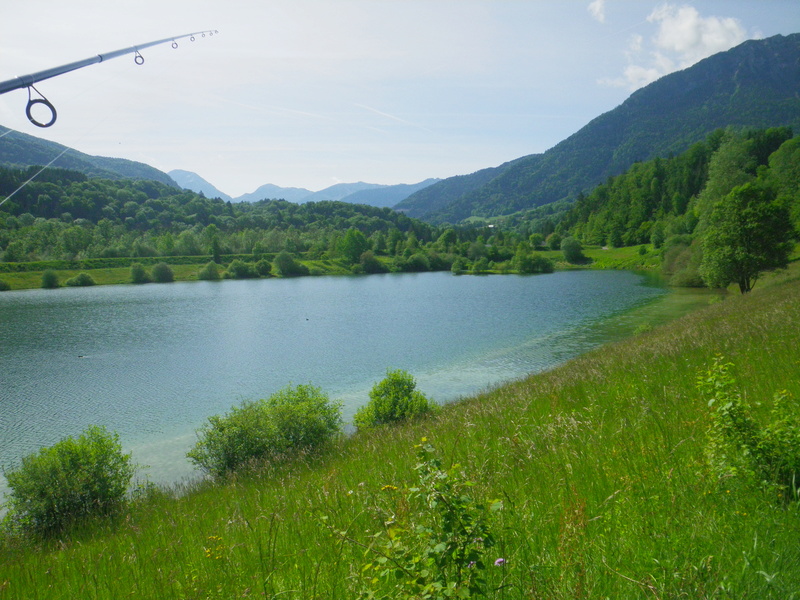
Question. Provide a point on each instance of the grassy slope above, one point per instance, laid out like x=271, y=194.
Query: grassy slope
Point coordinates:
x=599, y=463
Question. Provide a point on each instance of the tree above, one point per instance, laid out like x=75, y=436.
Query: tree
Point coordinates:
x=748, y=232
x=353, y=245
x=393, y=399
x=573, y=251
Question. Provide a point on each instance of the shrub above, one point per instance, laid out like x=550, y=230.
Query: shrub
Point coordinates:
x=138, y=274
x=572, y=250
x=238, y=269
x=370, y=263
x=50, y=279
x=553, y=241
x=263, y=267
x=80, y=280
x=71, y=480
x=739, y=445
x=209, y=272
x=395, y=398
x=162, y=273
x=294, y=419
x=4, y=286
x=438, y=546
x=285, y=265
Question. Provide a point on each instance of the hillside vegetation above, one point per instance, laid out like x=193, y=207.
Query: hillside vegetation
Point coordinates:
x=596, y=479
x=752, y=85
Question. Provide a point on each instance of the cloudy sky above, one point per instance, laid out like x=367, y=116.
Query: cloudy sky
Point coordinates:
x=308, y=93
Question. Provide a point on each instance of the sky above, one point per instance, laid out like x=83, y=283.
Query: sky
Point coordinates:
x=310, y=93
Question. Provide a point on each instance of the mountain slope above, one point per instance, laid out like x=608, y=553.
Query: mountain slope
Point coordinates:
x=756, y=84
x=388, y=195
x=192, y=181
x=269, y=191
x=21, y=150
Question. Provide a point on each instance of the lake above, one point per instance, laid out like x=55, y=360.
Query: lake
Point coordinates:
x=153, y=362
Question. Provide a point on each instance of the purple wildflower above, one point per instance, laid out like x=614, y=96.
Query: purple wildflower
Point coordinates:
x=499, y=562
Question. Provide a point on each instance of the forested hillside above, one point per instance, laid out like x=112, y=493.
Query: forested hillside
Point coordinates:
x=63, y=215
x=756, y=84
x=21, y=150
x=677, y=203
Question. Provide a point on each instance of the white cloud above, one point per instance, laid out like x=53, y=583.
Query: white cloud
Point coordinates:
x=683, y=38
x=597, y=8
x=682, y=31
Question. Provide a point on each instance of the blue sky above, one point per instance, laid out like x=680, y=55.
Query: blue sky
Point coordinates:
x=308, y=93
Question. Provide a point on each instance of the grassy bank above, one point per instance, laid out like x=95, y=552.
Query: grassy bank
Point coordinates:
x=599, y=465
x=608, y=258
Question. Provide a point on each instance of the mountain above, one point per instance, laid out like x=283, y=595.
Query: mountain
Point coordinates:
x=341, y=190
x=386, y=196
x=754, y=85
x=21, y=150
x=371, y=194
x=274, y=192
x=192, y=181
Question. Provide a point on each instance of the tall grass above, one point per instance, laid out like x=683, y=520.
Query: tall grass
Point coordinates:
x=599, y=464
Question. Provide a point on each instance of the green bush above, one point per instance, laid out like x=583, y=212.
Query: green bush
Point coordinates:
x=263, y=267
x=238, y=269
x=294, y=419
x=393, y=399
x=285, y=265
x=209, y=272
x=80, y=280
x=572, y=250
x=71, y=480
x=738, y=445
x=437, y=547
x=162, y=273
x=50, y=279
x=139, y=274
x=4, y=286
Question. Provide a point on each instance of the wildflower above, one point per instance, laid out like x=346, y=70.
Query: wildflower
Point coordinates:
x=499, y=562
x=391, y=488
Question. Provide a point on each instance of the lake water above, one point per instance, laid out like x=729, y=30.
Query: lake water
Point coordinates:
x=152, y=362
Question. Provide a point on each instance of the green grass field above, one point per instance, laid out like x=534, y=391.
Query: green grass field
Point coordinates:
x=599, y=465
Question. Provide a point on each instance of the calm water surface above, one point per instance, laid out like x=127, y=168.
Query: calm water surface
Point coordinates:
x=152, y=362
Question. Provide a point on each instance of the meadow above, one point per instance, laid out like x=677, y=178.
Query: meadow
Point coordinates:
x=595, y=472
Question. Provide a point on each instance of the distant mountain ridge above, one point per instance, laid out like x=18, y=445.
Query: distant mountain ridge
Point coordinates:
x=19, y=149
x=192, y=181
x=756, y=84
x=371, y=194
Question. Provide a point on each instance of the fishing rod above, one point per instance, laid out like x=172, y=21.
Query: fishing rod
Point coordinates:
x=27, y=81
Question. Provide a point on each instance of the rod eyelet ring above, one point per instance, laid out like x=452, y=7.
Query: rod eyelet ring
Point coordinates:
x=48, y=104
x=174, y=44
x=191, y=39
x=138, y=59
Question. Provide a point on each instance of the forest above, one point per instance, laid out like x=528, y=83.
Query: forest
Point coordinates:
x=691, y=208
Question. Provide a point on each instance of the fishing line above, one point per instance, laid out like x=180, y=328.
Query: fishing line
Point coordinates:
x=27, y=81
x=60, y=154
